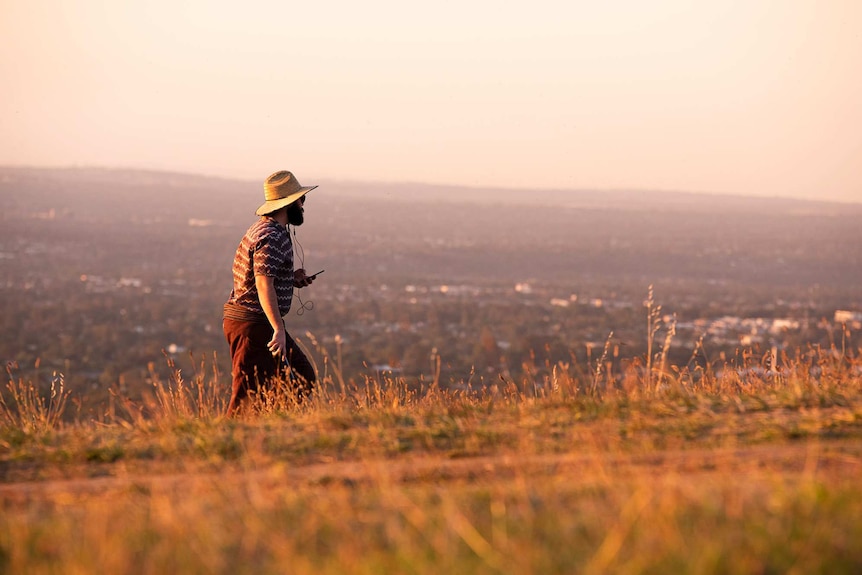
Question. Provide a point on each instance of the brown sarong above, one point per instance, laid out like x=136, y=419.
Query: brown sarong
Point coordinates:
x=253, y=365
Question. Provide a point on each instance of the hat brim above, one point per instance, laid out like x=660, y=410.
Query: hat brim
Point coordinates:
x=274, y=205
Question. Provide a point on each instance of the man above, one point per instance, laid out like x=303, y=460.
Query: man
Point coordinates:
x=263, y=283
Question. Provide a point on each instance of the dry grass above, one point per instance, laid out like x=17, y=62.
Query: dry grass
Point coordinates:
x=745, y=468
x=31, y=411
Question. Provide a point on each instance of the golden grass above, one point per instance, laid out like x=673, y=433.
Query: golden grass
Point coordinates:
x=749, y=469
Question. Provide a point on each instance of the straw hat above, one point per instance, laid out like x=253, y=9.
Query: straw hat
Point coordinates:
x=279, y=190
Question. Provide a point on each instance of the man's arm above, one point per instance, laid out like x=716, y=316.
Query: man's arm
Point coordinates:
x=269, y=302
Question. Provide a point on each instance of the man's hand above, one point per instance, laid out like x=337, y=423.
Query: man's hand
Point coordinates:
x=278, y=344
x=301, y=280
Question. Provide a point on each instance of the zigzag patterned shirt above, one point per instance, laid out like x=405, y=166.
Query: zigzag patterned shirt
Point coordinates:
x=265, y=250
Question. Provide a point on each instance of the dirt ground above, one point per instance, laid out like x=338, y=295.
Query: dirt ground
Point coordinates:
x=831, y=461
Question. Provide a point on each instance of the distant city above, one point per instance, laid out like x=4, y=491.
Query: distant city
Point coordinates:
x=103, y=273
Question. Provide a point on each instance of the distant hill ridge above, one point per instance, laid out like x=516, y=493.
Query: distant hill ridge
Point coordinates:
x=362, y=230
x=115, y=188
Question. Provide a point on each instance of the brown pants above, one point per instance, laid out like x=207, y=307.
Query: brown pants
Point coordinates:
x=253, y=365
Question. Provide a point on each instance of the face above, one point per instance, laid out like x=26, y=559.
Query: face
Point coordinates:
x=295, y=212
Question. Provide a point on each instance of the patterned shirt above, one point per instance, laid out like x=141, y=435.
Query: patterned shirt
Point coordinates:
x=265, y=250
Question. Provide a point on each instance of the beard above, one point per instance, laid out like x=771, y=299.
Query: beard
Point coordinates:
x=295, y=215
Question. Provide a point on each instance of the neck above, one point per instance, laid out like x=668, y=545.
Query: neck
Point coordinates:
x=280, y=216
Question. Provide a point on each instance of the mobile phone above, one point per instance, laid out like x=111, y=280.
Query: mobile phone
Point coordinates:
x=317, y=274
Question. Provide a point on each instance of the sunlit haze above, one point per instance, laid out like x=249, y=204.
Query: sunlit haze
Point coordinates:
x=750, y=97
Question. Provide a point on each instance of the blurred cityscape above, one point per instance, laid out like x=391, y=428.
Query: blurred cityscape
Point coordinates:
x=104, y=273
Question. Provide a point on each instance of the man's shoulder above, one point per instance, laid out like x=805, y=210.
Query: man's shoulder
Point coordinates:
x=266, y=228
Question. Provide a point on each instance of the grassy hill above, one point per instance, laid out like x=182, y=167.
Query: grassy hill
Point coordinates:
x=738, y=472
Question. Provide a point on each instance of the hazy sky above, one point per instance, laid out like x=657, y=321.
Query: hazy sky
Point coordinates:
x=743, y=97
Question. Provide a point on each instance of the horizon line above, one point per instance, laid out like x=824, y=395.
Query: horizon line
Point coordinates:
x=450, y=185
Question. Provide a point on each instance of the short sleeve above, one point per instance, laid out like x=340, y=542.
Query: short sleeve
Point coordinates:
x=266, y=258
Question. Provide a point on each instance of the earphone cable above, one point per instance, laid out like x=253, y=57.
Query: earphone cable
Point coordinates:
x=300, y=253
